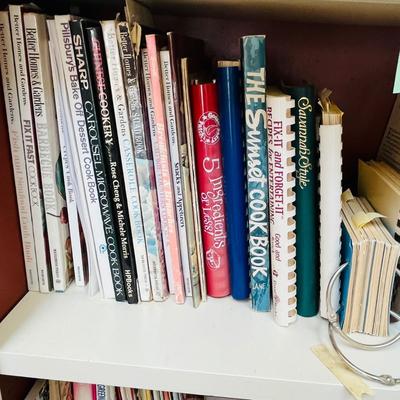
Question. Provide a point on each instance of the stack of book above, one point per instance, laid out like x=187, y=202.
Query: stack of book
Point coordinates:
x=140, y=176
x=58, y=390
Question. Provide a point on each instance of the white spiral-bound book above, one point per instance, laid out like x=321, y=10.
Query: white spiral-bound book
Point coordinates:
x=281, y=177
x=330, y=177
x=330, y=148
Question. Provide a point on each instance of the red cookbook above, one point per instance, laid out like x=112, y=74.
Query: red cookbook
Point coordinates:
x=210, y=186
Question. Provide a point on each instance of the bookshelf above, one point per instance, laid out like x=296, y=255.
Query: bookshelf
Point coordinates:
x=223, y=348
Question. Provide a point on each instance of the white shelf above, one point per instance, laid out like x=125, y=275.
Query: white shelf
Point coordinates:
x=380, y=12
x=222, y=349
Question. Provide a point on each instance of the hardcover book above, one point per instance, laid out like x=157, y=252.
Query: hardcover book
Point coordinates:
x=51, y=170
x=76, y=245
x=254, y=80
x=210, y=183
x=137, y=110
x=305, y=143
x=163, y=175
x=85, y=178
x=31, y=153
x=233, y=156
x=17, y=152
x=281, y=205
x=174, y=150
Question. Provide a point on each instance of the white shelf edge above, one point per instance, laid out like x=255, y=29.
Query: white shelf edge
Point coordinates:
x=39, y=339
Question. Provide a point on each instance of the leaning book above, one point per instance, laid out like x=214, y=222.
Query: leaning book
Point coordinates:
x=44, y=112
x=140, y=131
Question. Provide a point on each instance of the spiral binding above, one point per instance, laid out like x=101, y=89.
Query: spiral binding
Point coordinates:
x=334, y=328
x=290, y=213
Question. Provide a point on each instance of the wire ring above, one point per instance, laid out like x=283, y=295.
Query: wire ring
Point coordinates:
x=334, y=327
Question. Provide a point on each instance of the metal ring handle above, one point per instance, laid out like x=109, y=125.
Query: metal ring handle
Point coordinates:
x=334, y=327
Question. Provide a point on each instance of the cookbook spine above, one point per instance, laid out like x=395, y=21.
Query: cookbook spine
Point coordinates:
x=31, y=152
x=206, y=128
x=127, y=158
x=174, y=149
x=17, y=152
x=100, y=251
x=254, y=81
x=36, y=39
x=79, y=254
x=144, y=164
x=164, y=179
x=98, y=156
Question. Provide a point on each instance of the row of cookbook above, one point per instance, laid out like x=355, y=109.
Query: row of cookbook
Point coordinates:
x=59, y=390
x=139, y=175
x=153, y=178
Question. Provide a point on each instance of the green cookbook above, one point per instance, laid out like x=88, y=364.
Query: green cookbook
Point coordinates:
x=306, y=199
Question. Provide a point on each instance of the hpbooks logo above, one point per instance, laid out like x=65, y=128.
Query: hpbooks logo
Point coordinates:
x=103, y=248
x=208, y=127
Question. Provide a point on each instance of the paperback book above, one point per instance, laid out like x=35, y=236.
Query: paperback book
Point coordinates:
x=86, y=187
x=174, y=150
x=17, y=152
x=54, y=195
x=164, y=176
x=137, y=107
x=31, y=151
